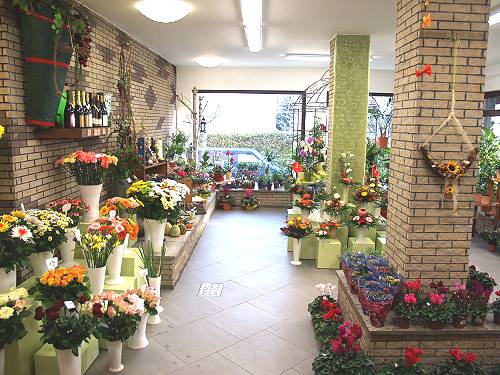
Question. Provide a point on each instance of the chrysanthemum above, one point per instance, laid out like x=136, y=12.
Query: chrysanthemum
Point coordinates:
x=21, y=232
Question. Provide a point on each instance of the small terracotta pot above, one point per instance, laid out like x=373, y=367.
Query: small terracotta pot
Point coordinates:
x=403, y=323
x=496, y=318
x=478, y=321
x=382, y=141
x=459, y=322
x=492, y=247
x=435, y=325
x=227, y=206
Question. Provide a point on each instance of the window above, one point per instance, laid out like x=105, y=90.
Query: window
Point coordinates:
x=380, y=108
x=492, y=112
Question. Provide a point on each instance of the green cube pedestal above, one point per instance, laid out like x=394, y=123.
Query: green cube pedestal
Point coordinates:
x=342, y=234
x=381, y=233
x=308, y=247
x=381, y=226
x=363, y=245
x=328, y=253
x=380, y=244
x=131, y=262
x=371, y=233
x=46, y=361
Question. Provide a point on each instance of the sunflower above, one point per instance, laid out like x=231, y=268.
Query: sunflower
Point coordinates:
x=452, y=167
x=3, y=226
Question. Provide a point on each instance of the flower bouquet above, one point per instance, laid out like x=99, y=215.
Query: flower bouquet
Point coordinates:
x=16, y=245
x=436, y=310
x=249, y=202
x=66, y=284
x=12, y=312
x=88, y=169
x=327, y=229
x=66, y=326
x=306, y=204
x=49, y=229
x=150, y=301
x=362, y=220
x=74, y=209
x=411, y=366
x=97, y=246
x=333, y=206
x=124, y=207
x=406, y=310
x=460, y=363
x=365, y=193
x=297, y=228
x=117, y=318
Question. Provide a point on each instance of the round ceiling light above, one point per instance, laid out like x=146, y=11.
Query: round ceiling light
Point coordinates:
x=164, y=11
x=208, y=61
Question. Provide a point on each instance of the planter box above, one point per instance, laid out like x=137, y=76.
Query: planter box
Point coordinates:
x=328, y=254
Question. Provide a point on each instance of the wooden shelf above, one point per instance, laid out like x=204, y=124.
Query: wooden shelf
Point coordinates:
x=76, y=133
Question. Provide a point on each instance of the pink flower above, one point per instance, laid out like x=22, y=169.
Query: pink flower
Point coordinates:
x=369, y=219
x=410, y=298
x=436, y=299
x=94, y=226
x=111, y=312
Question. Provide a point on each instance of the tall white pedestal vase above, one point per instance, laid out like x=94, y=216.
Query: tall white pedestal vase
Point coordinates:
x=68, y=363
x=154, y=233
x=7, y=281
x=67, y=248
x=296, y=252
x=91, y=195
x=114, y=266
x=361, y=234
x=115, y=349
x=39, y=262
x=139, y=339
x=345, y=193
x=155, y=282
x=2, y=361
x=96, y=277
x=304, y=214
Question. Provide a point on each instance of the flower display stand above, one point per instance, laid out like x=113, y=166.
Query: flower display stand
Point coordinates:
x=308, y=247
x=328, y=254
x=342, y=234
x=380, y=244
x=381, y=233
x=294, y=211
x=371, y=233
x=46, y=362
x=363, y=245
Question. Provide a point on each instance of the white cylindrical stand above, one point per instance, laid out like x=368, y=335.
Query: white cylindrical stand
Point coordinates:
x=38, y=262
x=91, y=195
x=68, y=363
x=296, y=252
x=96, y=277
x=7, y=279
x=115, y=356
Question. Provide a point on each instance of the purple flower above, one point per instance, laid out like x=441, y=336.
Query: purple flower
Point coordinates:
x=303, y=153
x=309, y=140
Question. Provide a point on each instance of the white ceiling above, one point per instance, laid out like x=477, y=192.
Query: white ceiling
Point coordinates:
x=290, y=26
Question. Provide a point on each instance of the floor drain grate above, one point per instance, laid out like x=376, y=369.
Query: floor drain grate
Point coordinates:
x=210, y=289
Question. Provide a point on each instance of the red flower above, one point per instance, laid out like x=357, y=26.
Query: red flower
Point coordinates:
x=52, y=314
x=470, y=358
x=39, y=313
x=412, y=355
x=182, y=173
x=83, y=298
x=457, y=354
x=413, y=286
x=497, y=293
x=97, y=310
x=296, y=167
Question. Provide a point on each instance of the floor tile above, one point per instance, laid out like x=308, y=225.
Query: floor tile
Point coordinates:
x=291, y=372
x=188, y=308
x=297, y=330
x=195, y=340
x=265, y=354
x=263, y=281
x=281, y=303
x=215, y=364
x=243, y=321
x=215, y=273
x=232, y=294
x=305, y=367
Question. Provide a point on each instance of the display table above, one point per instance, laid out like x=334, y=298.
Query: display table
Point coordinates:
x=361, y=245
x=328, y=253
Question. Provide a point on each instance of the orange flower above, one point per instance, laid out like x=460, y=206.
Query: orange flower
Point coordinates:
x=426, y=21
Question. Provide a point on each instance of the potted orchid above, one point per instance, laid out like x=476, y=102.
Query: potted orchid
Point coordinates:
x=16, y=244
x=88, y=169
x=460, y=363
x=362, y=220
x=117, y=318
x=406, y=310
x=74, y=209
x=411, y=366
x=297, y=228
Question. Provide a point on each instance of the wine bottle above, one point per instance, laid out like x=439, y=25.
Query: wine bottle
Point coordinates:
x=69, y=110
x=96, y=112
x=89, y=109
x=79, y=115
x=85, y=109
x=104, y=111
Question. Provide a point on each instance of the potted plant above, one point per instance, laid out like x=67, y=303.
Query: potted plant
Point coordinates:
x=478, y=308
x=436, y=310
x=249, y=202
x=411, y=366
x=362, y=220
x=12, y=312
x=265, y=181
x=66, y=325
x=88, y=169
x=460, y=304
x=306, y=204
x=490, y=236
x=226, y=200
x=16, y=244
x=124, y=170
x=495, y=307
x=345, y=356
x=406, y=310
x=297, y=228
x=74, y=209
x=489, y=150
x=218, y=173
x=117, y=319
x=327, y=320
x=48, y=229
x=460, y=363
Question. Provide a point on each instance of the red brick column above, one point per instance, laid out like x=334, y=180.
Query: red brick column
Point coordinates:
x=424, y=237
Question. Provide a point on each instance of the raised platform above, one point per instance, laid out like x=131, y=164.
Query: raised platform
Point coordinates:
x=267, y=198
x=179, y=249
x=388, y=343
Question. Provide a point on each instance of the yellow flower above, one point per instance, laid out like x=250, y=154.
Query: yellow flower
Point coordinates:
x=364, y=194
x=6, y=312
x=2, y=131
x=9, y=218
x=18, y=214
x=3, y=226
x=452, y=167
x=290, y=222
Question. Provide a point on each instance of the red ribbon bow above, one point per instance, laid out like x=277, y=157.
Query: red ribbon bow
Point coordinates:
x=427, y=70
x=296, y=167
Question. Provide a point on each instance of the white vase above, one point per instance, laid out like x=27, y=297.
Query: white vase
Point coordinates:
x=2, y=361
x=361, y=234
x=96, y=277
x=115, y=356
x=68, y=363
x=91, y=195
x=155, y=283
x=154, y=233
x=345, y=194
x=139, y=339
x=304, y=214
x=114, y=266
x=38, y=262
x=67, y=248
x=296, y=252
x=7, y=279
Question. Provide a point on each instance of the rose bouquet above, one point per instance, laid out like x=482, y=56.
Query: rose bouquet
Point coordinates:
x=124, y=207
x=411, y=366
x=73, y=208
x=345, y=168
x=460, y=363
x=306, y=203
x=363, y=219
x=16, y=241
x=297, y=228
x=12, y=312
x=66, y=284
x=150, y=298
x=327, y=228
x=87, y=168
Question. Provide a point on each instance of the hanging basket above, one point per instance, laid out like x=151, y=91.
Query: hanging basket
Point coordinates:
x=45, y=71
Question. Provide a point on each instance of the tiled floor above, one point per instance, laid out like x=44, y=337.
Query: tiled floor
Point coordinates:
x=260, y=324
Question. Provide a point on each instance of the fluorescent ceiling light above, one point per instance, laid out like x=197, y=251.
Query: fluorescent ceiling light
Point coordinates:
x=494, y=18
x=306, y=57
x=164, y=10
x=251, y=13
x=208, y=61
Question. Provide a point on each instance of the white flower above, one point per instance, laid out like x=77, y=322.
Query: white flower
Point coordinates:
x=21, y=232
x=355, y=218
x=336, y=196
x=66, y=207
x=369, y=219
x=112, y=214
x=343, y=155
x=348, y=170
x=6, y=312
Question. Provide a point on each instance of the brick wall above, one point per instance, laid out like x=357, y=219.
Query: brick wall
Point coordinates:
x=266, y=198
x=27, y=173
x=424, y=237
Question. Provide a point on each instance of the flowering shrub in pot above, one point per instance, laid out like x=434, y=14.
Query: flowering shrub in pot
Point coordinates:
x=411, y=366
x=406, y=310
x=327, y=321
x=460, y=363
x=436, y=310
x=249, y=202
x=461, y=302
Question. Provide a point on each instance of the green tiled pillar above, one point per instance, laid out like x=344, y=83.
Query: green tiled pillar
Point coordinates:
x=349, y=75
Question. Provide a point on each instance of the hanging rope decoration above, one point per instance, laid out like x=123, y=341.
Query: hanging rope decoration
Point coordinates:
x=451, y=170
